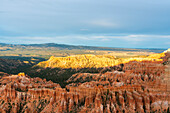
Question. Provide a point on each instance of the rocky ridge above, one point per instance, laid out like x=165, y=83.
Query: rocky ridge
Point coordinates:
x=141, y=86
x=96, y=61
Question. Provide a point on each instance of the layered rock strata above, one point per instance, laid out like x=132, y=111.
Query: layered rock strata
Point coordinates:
x=140, y=87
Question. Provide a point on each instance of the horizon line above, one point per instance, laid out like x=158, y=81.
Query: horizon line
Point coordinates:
x=81, y=45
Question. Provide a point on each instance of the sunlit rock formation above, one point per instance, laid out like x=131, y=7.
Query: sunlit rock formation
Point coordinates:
x=88, y=61
x=141, y=86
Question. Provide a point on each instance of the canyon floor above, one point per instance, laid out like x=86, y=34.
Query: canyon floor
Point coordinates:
x=86, y=84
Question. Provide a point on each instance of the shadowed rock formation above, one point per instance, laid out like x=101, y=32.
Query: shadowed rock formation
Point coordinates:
x=141, y=86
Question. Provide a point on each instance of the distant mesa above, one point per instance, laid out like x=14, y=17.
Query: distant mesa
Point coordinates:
x=94, y=61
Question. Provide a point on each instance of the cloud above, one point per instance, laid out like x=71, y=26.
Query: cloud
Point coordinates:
x=25, y=40
x=133, y=37
x=114, y=23
x=127, y=38
x=126, y=41
x=73, y=17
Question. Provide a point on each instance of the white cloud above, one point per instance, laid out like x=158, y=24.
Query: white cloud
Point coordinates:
x=95, y=37
x=135, y=38
x=96, y=40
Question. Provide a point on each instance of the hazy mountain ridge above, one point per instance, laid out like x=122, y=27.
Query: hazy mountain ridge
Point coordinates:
x=70, y=47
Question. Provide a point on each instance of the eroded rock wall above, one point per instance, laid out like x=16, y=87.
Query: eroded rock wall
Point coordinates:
x=139, y=87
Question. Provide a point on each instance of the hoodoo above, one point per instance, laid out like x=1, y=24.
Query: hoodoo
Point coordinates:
x=139, y=87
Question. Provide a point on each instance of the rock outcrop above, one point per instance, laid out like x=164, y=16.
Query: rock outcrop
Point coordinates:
x=96, y=61
x=139, y=87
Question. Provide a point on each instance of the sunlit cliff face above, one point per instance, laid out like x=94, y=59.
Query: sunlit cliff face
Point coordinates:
x=96, y=61
x=21, y=74
x=140, y=87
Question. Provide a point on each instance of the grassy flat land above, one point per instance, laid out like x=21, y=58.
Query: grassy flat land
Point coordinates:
x=60, y=50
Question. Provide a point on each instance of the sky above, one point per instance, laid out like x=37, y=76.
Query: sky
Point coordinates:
x=107, y=23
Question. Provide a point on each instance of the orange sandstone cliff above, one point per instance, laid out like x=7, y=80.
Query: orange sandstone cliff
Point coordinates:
x=142, y=86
